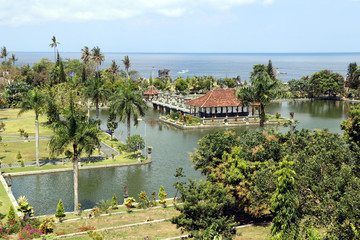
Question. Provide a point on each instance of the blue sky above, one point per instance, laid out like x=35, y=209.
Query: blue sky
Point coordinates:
x=239, y=26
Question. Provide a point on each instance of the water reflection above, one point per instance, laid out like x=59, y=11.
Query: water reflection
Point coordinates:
x=170, y=150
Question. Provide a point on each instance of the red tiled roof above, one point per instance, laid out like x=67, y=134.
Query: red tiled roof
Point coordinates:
x=216, y=98
x=151, y=91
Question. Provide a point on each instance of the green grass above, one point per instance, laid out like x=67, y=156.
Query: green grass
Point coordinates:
x=4, y=138
x=254, y=233
x=6, y=203
x=28, y=124
x=9, y=150
x=13, y=114
x=121, y=159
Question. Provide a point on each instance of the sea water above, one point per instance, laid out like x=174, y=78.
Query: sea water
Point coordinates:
x=219, y=65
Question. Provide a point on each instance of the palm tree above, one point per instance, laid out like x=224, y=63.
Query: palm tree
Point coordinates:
x=85, y=54
x=34, y=100
x=77, y=133
x=97, y=56
x=127, y=65
x=263, y=89
x=114, y=68
x=96, y=92
x=13, y=58
x=128, y=104
x=54, y=44
x=4, y=52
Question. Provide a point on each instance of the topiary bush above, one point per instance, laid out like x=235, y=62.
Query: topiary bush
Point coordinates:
x=60, y=212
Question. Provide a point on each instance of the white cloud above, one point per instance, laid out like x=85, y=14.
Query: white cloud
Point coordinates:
x=177, y=12
x=22, y=12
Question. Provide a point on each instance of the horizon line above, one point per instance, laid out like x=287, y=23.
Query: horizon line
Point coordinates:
x=197, y=52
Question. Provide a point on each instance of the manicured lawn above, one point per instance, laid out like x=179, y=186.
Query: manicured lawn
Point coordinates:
x=27, y=150
x=6, y=203
x=116, y=220
x=121, y=159
x=155, y=231
x=28, y=124
x=7, y=114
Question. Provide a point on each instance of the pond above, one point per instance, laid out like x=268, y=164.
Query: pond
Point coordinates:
x=171, y=148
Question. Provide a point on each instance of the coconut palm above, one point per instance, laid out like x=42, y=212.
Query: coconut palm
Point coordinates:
x=54, y=44
x=97, y=56
x=34, y=100
x=96, y=92
x=263, y=89
x=13, y=59
x=127, y=65
x=128, y=104
x=85, y=54
x=78, y=134
x=114, y=68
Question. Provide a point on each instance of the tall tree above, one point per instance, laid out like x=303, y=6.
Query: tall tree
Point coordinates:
x=327, y=82
x=76, y=132
x=284, y=204
x=127, y=65
x=4, y=53
x=85, y=54
x=271, y=70
x=206, y=211
x=34, y=100
x=263, y=89
x=13, y=58
x=97, y=56
x=128, y=104
x=96, y=91
x=350, y=81
x=114, y=68
x=351, y=127
x=54, y=44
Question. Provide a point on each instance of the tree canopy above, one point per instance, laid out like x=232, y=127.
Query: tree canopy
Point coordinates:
x=306, y=179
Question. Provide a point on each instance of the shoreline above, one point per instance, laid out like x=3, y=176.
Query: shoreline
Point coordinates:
x=30, y=173
x=220, y=125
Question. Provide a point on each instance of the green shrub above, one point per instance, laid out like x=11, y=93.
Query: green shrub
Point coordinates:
x=104, y=206
x=134, y=143
x=162, y=195
x=60, y=212
x=129, y=203
x=21, y=132
x=11, y=214
x=114, y=202
x=18, y=156
x=47, y=226
x=144, y=200
x=122, y=147
x=95, y=235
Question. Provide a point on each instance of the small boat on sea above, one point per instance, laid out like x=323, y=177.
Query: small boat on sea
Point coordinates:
x=183, y=71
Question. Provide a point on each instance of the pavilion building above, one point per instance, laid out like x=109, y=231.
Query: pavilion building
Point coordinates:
x=218, y=103
x=151, y=94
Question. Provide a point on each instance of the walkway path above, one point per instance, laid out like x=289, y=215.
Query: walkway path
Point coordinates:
x=20, y=139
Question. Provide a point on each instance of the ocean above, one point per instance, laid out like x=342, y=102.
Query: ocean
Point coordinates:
x=219, y=65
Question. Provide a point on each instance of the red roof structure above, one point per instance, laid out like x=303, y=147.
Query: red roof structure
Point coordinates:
x=151, y=91
x=216, y=98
